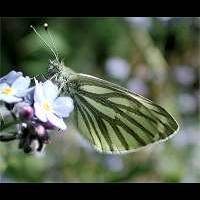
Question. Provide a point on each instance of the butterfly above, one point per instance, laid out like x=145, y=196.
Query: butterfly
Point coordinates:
x=112, y=118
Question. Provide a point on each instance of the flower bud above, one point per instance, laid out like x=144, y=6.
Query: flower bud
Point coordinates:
x=40, y=130
x=23, y=111
x=26, y=113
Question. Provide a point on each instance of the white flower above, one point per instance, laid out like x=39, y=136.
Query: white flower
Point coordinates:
x=117, y=68
x=49, y=107
x=13, y=91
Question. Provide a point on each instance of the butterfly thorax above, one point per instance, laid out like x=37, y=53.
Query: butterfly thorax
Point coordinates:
x=61, y=75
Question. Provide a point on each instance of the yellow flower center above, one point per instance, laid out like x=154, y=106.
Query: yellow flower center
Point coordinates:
x=7, y=91
x=47, y=106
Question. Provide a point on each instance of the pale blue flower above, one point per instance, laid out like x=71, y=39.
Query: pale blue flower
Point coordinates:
x=49, y=107
x=117, y=68
x=184, y=74
x=10, y=77
x=13, y=87
x=138, y=86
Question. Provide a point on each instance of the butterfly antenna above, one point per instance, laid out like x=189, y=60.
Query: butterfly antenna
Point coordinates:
x=52, y=39
x=45, y=43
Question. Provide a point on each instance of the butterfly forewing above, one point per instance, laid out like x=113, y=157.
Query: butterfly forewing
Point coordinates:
x=115, y=120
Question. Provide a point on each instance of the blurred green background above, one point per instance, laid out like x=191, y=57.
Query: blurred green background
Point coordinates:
x=157, y=57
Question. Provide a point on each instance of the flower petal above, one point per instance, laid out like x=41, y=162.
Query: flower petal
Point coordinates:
x=56, y=121
x=21, y=83
x=23, y=93
x=10, y=77
x=40, y=112
x=9, y=98
x=50, y=90
x=63, y=106
x=38, y=94
x=2, y=86
x=29, y=98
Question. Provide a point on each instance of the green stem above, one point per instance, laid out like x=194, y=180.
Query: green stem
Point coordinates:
x=8, y=138
x=8, y=125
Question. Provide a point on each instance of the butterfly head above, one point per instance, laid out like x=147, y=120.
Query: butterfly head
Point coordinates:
x=54, y=67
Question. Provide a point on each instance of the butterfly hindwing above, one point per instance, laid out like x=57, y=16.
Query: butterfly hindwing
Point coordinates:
x=115, y=120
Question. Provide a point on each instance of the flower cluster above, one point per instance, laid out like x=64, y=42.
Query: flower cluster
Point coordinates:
x=38, y=109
